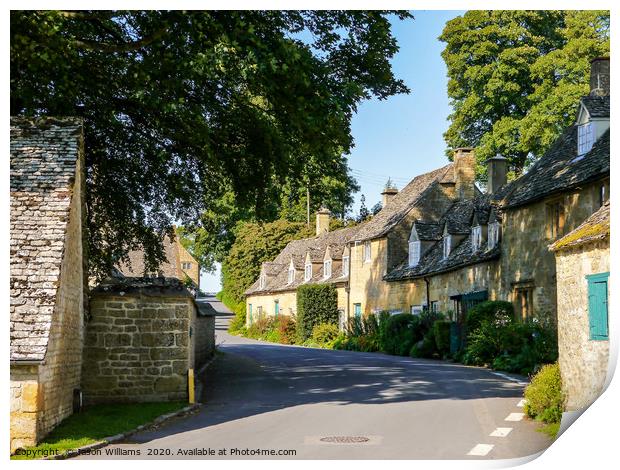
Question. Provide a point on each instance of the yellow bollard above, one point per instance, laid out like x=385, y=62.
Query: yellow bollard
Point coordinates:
x=190, y=383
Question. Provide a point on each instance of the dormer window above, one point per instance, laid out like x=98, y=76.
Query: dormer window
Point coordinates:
x=291, y=274
x=476, y=238
x=585, y=138
x=262, y=281
x=447, y=245
x=345, y=265
x=493, y=238
x=414, y=253
x=327, y=268
x=308, y=272
x=367, y=252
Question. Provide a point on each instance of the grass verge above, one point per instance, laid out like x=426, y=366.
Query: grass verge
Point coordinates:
x=550, y=430
x=96, y=423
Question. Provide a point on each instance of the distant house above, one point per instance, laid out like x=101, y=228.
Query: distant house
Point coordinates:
x=179, y=264
x=582, y=258
x=47, y=273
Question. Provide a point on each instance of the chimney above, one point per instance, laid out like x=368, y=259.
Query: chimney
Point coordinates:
x=322, y=221
x=599, y=76
x=496, y=172
x=465, y=172
x=387, y=195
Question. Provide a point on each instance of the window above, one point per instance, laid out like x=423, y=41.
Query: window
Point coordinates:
x=434, y=306
x=524, y=300
x=308, y=272
x=345, y=265
x=585, y=138
x=447, y=242
x=327, y=268
x=476, y=237
x=186, y=266
x=357, y=310
x=416, y=309
x=259, y=312
x=602, y=195
x=262, y=282
x=556, y=217
x=597, y=306
x=291, y=274
x=493, y=238
x=276, y=307
x=367, y=252
x=414, y=253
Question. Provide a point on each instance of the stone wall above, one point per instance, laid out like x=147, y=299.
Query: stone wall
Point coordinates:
x=205, y=339
x=138, y=346
x=583, y=362
x=25, y=405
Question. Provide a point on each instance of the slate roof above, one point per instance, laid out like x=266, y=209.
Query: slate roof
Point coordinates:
x=558, y=170
x=43, y=162
x=170, y=268
x=597, y=106
x=458, y=217
x=428, y=231
x=297, y=249
x=595, y=227
x=400, y=204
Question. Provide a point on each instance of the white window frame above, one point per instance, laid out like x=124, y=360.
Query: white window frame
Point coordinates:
x=585, y=138
x=493, y=238
x=291, y=274
x=447, y=245
x=345, y=265
x=414, y=253
x=476, y=237
x=367, y=251
x=327, y=268
x=262, y=281
x=417, y=309
x=307, y=272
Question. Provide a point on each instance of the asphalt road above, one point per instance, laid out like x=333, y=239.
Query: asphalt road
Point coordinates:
x=325, y=404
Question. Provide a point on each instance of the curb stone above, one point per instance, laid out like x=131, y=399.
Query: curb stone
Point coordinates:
x=120, y=437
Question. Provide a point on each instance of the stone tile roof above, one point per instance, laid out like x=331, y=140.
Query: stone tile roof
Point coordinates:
x=458, y=217
x=428, y=231
x=596, y=227
x=43, y=162
x=559, y=170
x=400, y=204
x=297, y=250
x=597, y=106
x=136, y=267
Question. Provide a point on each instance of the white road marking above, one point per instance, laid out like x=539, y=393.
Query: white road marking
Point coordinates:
x=481, y=449
x=507, y=377
x=500, y=432
x=514, y=417
x=521, y=404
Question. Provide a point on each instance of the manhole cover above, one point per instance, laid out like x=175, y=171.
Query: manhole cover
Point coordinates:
x=345, y=439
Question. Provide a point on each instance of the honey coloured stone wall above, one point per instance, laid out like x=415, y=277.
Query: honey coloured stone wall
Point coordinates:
x=138, y=346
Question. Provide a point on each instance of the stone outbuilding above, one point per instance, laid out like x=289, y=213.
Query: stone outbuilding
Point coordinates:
x=47, y=279
x=582, y=259
x=142, y=337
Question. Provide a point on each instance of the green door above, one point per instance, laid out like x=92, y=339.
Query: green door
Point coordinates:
x=357, y=310
x=276, y=307
x=597, y=306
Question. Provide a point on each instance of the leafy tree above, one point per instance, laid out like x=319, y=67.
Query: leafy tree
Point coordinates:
x=364, y=213
x=188, y=113
x=376, y=208
x=515, y=78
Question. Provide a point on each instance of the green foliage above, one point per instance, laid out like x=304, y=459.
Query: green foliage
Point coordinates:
x=489, y=310
x=544, y=399
x=316, y=304
x=441, y=332
x=287, y=329
x=515, y=78
x=196, y=112
x=401, y=333
x=237, y=324
x=254, y=244
x=324, y=334
x=427, y=347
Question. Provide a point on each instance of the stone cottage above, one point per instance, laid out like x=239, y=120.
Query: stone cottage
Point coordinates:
x=179, y=264
x=47, y=273
x=582, y=258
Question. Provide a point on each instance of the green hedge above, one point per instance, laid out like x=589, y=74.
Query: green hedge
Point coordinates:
x=316, y=304
x=490, y=310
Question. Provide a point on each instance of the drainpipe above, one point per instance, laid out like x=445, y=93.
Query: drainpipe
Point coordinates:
x=428, y=294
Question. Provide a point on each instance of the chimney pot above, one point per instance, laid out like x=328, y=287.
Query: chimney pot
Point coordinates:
x=599, y=76
x=496, y=172
x=322, y=221
x=387, y=195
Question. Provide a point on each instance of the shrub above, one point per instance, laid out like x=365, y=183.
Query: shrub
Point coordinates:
x=324, y=334
x=544, y=400
x=441, y=331
x=237, y=324
x=426, y=347
x=287, y=329
x=316, y=304
x=491, y=311
x=401, y=333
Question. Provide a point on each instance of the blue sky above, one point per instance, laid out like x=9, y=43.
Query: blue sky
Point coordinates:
x=400, y=137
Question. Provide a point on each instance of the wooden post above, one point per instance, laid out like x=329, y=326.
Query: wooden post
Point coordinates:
x=190, y=384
